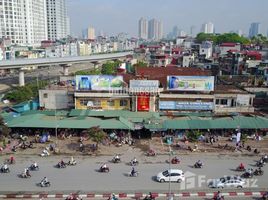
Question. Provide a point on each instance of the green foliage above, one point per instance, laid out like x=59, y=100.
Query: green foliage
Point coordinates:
x=89, y=72
x=25, y=93
x=221, y=38
x=96, y=134
x=193, y=135
x=259, y=40
x=141, y=64
x=4, y=130
x=109, y=68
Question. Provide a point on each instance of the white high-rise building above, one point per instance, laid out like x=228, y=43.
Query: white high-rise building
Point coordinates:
x=155, y=31
x=143, y=29
x=24, y=22
x=207, y=28
x=57, y=20
x=90, y=33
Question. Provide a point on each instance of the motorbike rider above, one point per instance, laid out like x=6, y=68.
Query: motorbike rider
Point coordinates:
x=250, y=171
x=35, y=164
x=199, y=163
x=104, y=166
x=45, y=152
x=259, y=170
x=62, y=163
x=241, y=166
x=116, y=158
x=5, y=167
x=176, y=159
x=12, y=159
x=44, y=180
x=134, y=161
x=72, y=161
x=217, y=196
x=27, y=172
x=133, y=171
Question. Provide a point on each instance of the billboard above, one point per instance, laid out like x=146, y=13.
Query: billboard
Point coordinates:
x=143, y=85
x=184, y=105
x=190, y=83
x=98, y=82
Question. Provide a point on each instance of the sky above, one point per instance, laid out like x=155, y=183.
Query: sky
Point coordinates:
x=115, y=16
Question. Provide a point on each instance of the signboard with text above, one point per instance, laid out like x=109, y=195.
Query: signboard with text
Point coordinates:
x=98, y=82
x=143, y=85
x=181, y=105
x=190, y=83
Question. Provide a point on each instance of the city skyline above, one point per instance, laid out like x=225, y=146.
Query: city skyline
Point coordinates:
x=184, y=14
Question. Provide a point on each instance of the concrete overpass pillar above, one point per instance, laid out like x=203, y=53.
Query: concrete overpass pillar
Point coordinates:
x=65, y=68
x=21, y=78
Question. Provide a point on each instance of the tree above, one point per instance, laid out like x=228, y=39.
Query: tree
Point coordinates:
x=96, y=134
x=193, y=135
x=221, y=38
x=4, y=130
x=110, y=68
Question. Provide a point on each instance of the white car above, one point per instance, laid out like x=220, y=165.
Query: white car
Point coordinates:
x=173, y=175
x=228, y=181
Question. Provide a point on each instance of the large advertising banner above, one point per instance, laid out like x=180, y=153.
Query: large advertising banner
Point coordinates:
x=181, y=105
x=98, y=82
x=143, y=102
x=191, y=83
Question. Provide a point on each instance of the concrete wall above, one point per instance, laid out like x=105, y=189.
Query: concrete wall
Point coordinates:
x=54, y=99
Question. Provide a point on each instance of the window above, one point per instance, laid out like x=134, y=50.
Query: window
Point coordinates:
x=223, y=101
x=110, y=103
x=217, y=101
x=123, y=103
x=45, y=95
x=97, y=103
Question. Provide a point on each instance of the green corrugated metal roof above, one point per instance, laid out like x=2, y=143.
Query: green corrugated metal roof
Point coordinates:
x=44, y=121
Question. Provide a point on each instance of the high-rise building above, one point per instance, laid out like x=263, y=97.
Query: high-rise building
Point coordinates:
x=23, y=22
x=254, y=29
x=207, y=28
x=57, y=20
x=155, y=31
x=192, y=30
x=90, y=33
x=143, y=29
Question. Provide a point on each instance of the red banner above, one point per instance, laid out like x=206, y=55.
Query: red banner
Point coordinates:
x=143, y=103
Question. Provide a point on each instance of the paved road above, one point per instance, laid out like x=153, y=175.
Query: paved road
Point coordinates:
x=84, y=176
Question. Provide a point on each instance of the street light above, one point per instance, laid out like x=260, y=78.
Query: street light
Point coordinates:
x=170, y=196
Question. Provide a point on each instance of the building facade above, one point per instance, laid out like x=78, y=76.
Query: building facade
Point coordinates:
x=207, y=28
x=254, y=29
x=143, y=29
x=155, y=30
x=23, y=22
x=57, y=20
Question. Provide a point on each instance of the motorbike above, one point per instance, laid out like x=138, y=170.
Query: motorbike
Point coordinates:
x=5, y=170
x=240, y=169
x=25, y=175
x=116, y=160
x=10, y=161
x=61, y=165
x=71, y=163
x=149, y=197
x=134, y=163
x=247, y=175
x=44, y=184
x=44, y=153
x=218, y=198
x=197, y=165
x=34, y=168
x=106, y=169
x=175, y=161
x=135, y=174
x=73, y=197
x=265, y=196
x=260, y=164
x=258, y=172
